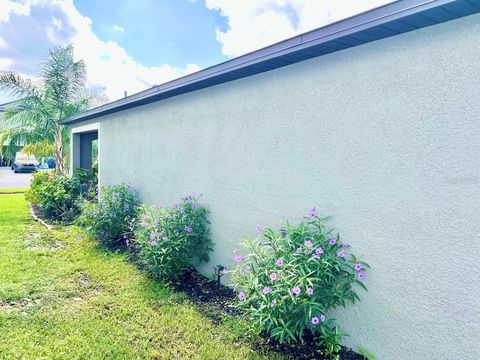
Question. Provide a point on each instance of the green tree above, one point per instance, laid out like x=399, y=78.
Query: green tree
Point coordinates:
x=60, y=92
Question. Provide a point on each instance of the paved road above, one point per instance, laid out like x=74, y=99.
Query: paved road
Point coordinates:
x=8, y=179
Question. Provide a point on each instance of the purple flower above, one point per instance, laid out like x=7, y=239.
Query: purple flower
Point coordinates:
x=309, y=291
x=239, y=258
x=279, y=262
x=168, y=216
x=143, y=223
x=318, y=251
x=296, y=290
x=313, y=213
x=188, y=229
x=332, y=241
x=315, y=320
x=242, y=296
x=345, y=245
x=308, y=243
x=322, y=318
x=79, y=238
x=274, y=302
x=341, y=253
x=306, y=252
x=154, y=242
x=154, y=235
x=273, y=276
x=165, y=238
x=266, y=290
x=298, y=251
x=315, y=256
x=126, y=207
x=247, y=269
x=284, y=232
x=127, y=242
x=361, y=275
x=358, y=266
x=259, y=229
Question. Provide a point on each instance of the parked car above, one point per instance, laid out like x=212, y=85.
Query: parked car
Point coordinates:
x=24, y=163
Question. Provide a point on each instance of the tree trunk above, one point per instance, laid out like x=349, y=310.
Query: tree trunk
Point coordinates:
x=59, y=156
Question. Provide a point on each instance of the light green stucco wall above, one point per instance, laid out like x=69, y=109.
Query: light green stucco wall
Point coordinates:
x=385, y=137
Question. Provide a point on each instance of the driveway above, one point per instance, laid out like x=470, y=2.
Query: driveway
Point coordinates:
x=8, y=179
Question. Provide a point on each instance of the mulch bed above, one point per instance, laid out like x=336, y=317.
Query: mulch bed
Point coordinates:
x=216, y=302
x=36, y=215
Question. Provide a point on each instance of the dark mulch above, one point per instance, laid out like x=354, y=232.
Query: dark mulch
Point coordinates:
x=38, y=216
x=212, y=300
x=215, y=302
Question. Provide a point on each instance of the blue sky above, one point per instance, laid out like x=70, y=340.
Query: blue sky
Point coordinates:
x=131, y=45
x=177, y=32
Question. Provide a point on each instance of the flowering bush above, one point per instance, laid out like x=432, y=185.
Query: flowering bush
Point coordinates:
x=55, y=195
x=292, y=278
x=108, y=219
x=169, y=240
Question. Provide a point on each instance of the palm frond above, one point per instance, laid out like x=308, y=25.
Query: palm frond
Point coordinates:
x=62, y=74
x=14, y=85
x=31, y=118
x=40, y=149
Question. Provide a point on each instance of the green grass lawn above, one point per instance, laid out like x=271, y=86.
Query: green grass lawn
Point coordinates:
x=13, y=190
x=64, y=298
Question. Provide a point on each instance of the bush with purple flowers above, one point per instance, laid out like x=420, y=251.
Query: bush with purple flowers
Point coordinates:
x=169, y=240
x=109, y=220
x=296, y=276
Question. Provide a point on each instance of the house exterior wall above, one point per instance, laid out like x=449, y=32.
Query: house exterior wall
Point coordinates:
x=385, y=137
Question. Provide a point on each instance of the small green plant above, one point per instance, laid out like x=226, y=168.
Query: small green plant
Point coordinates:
x=55, y=195
x=109, y=219
x=290, y=280
x=330, y=339
x=169, y=240
x=367, y=355
x=88, y=181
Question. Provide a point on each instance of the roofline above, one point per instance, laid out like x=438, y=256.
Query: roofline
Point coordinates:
x=251, y=63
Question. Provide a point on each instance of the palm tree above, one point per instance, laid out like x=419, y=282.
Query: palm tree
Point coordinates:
x=61, y=92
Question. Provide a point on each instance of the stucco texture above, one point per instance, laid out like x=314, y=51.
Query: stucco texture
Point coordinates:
x=385, y=137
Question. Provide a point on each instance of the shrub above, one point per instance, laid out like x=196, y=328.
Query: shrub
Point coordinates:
x=88, y=181
x=169, y=240
x=108, y=220
x=55, y=195
x=292, y=278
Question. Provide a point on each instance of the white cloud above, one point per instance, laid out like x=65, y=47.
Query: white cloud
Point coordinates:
x=118, y=28
x=109, y=66
x=8, y=7
x=3, y=43
x=253, y=24
x=5, y=63
x=57, y=23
